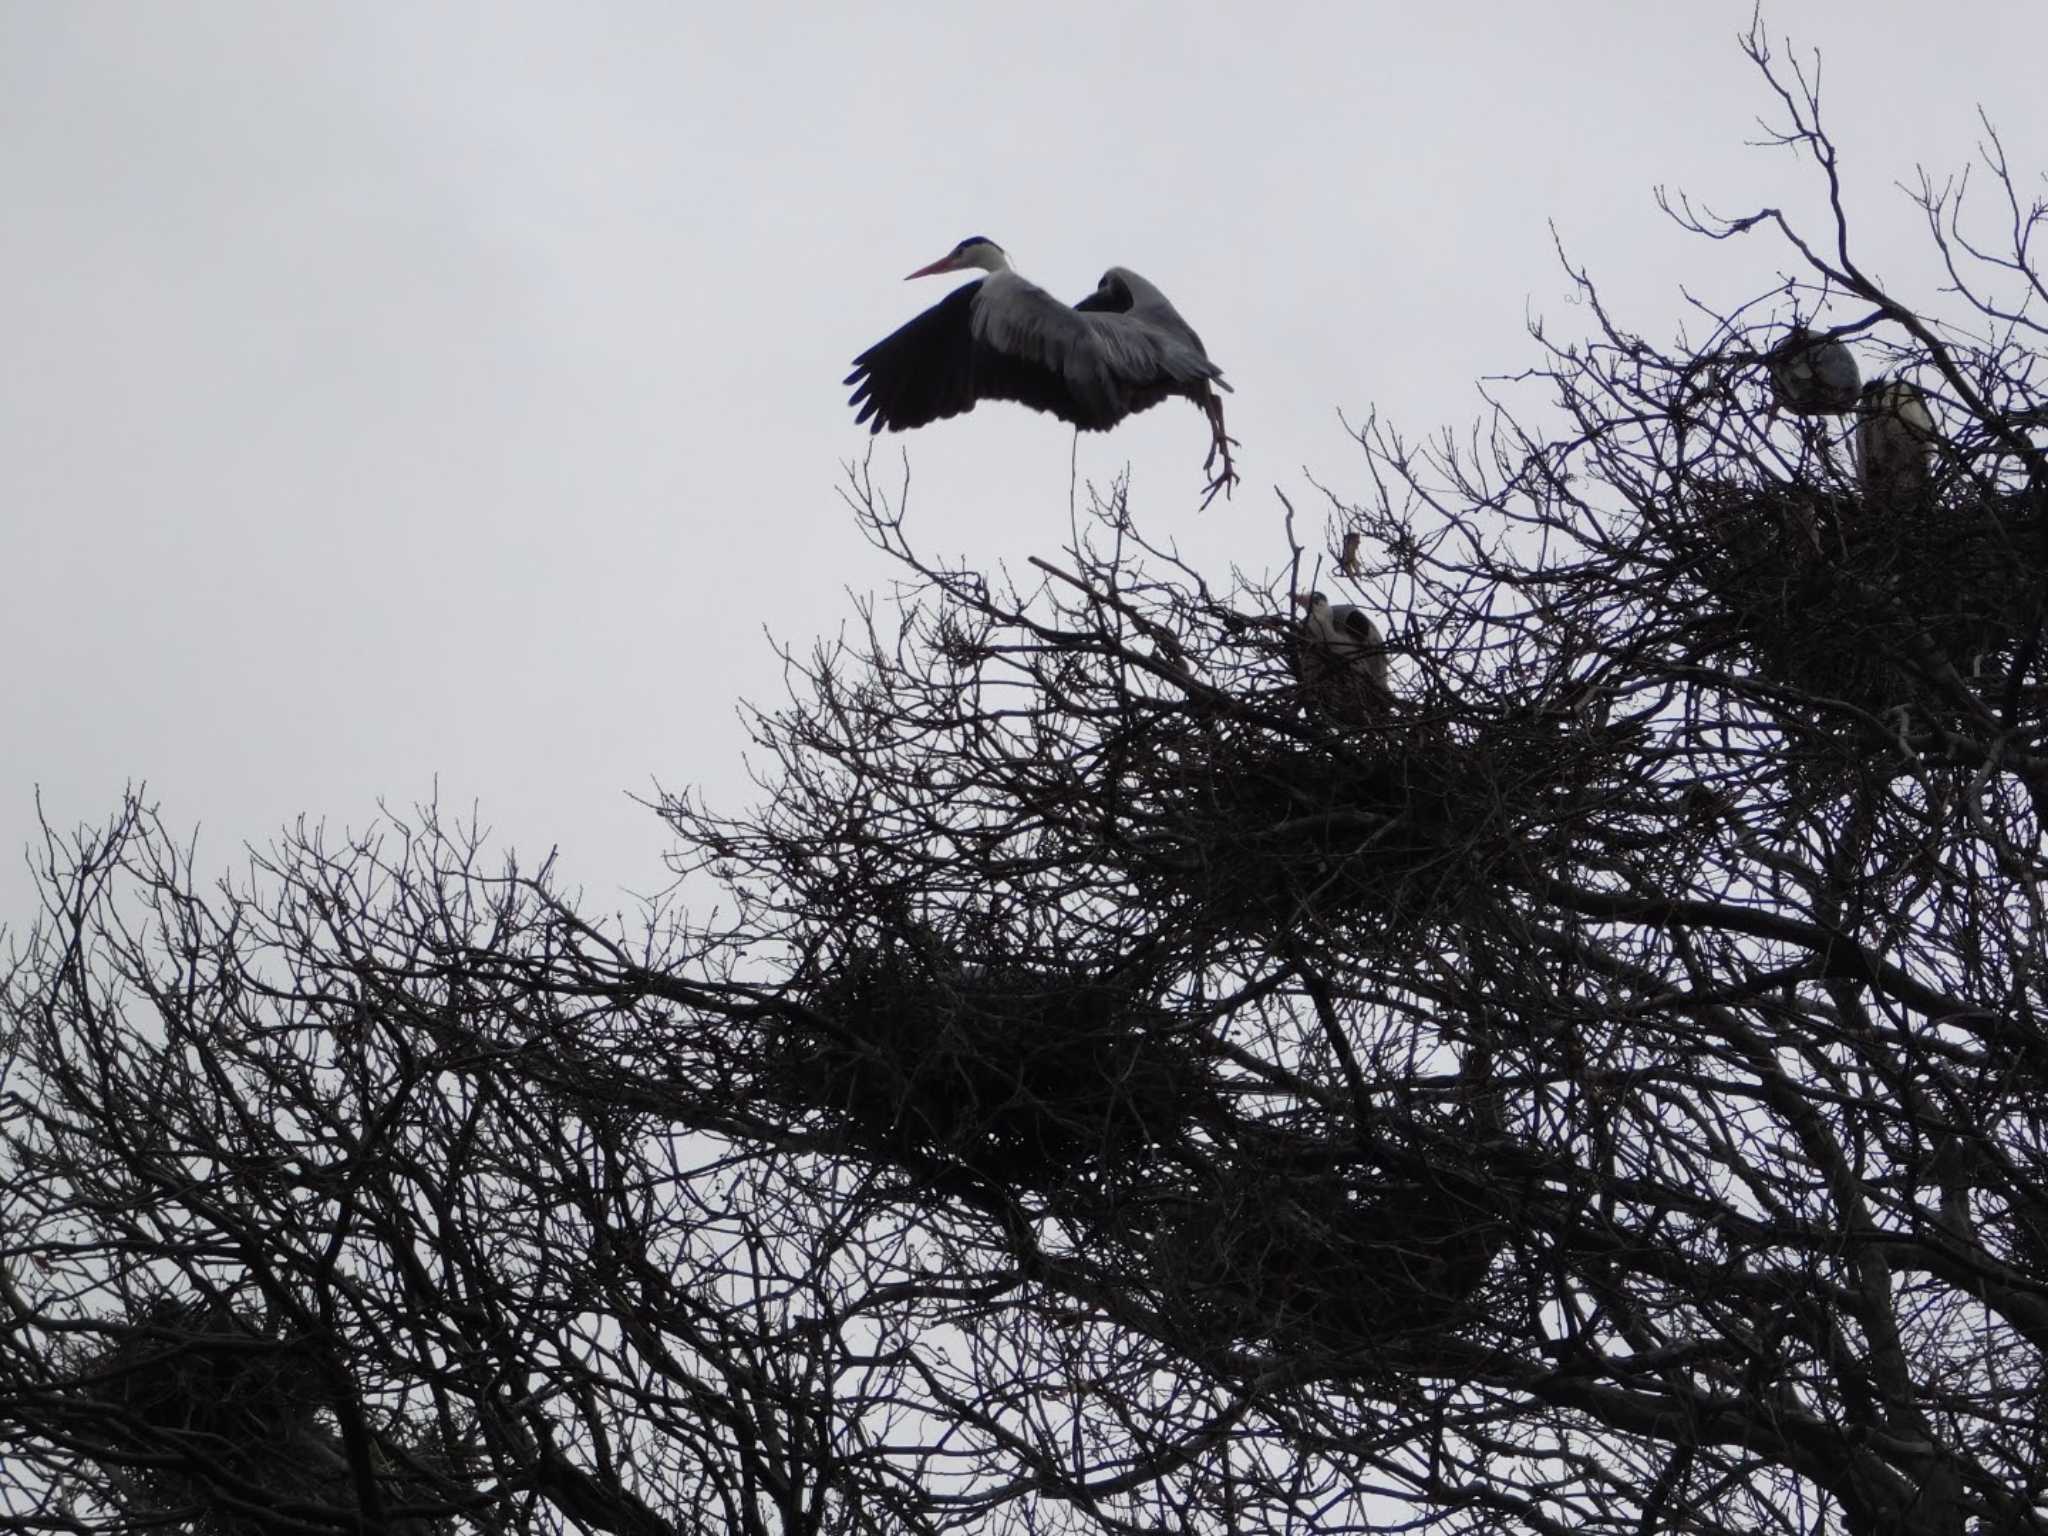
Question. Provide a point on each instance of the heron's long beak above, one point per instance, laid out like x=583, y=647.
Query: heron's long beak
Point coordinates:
x=944, y=264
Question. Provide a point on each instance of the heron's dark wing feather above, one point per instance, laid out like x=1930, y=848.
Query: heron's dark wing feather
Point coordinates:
x=921, y=371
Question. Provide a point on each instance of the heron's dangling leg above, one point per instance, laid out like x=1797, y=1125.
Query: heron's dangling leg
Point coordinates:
x=1220, y=442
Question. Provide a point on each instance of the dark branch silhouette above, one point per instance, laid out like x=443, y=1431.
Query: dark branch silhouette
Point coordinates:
x=1120, y=1076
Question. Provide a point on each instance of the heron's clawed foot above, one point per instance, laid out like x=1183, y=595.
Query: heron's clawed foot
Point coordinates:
x=1223, y=445
x=1224, y=481
x=1220, y=444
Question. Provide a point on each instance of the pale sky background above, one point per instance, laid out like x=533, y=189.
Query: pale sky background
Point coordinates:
x=397, y=394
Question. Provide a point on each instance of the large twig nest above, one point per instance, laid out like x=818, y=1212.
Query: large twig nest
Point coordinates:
x=1024, y=1073
x=1825, y=594
x=1346, y=1260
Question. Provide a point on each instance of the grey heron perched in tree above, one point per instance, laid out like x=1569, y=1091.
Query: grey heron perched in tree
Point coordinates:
x=1813, y=375
x=1121, y=350
x=1895, y=437
x=1343, y=659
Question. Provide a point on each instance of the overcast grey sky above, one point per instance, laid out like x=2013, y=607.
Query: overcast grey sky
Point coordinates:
x=399, y=393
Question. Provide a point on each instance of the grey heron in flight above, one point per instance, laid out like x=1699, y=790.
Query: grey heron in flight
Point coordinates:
x=1121, y=350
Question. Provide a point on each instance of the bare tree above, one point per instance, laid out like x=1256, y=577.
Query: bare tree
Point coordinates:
x=320, y=1217
x=1121, y=1087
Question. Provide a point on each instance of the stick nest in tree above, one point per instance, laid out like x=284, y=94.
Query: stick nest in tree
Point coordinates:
x=1827, y=596
x=1023, y=1074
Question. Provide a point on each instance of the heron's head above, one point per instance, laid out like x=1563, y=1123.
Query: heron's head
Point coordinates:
x=974, y=251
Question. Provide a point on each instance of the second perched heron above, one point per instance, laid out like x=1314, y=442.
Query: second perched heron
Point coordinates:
x=1895, y=437
x=1343, y=660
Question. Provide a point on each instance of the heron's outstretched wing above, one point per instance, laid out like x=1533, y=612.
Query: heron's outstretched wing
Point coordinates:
x=944, y=361
x=1124, y=292
x=1003, y=338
